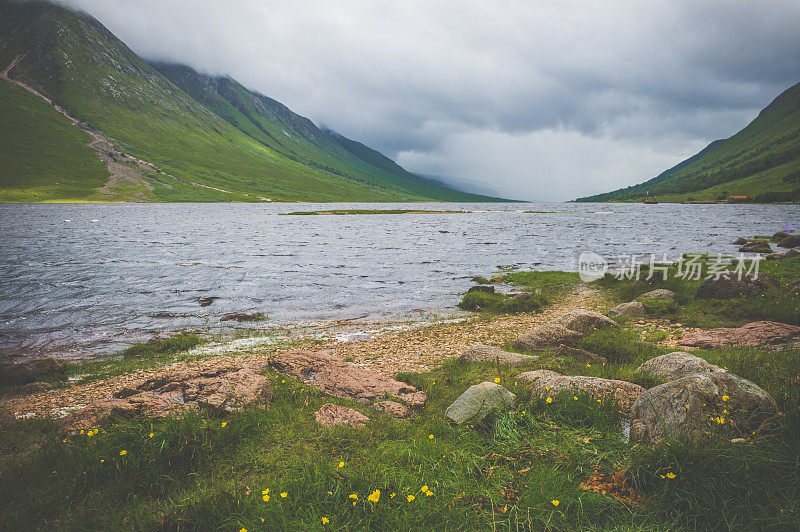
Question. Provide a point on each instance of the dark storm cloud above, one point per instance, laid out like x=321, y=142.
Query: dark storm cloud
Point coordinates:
x=580, y=96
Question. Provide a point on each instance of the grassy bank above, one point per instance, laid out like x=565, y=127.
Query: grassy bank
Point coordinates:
x=524, y=468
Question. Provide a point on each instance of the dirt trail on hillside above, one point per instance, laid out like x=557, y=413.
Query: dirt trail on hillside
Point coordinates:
x=124, y=169
x=394, y=347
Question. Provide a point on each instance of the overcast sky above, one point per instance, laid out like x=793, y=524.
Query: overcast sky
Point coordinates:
x=542, y=100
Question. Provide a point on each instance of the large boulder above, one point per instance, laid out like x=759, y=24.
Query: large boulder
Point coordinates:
x=30, y=370
x=631, y=309
x=547, y=335
x=478, y=401
x=486, y=353
x=756, y=246
x=661, y=294
x=732, y=286
x=739, y=241
x=696, y=405
x=791, y=241
x=334, y=376
x=546, y=383
x=223, y=389
x=676, y=365
x=330, y=414
x=757, y=333
x=563, y=330
x=584, y=321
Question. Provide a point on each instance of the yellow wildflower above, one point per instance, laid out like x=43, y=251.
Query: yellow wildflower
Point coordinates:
x=424, y=488
x=497, y=380
x=555, y=502
x=410, y=498
x=430, y=436
x=243, y=529
x=354, y=496
x=265, y=492
x=265, y=497
x=325, y=520
x=725, y=397
x=588, y=365
x=223, y=424
x=549, y=399
x=341, y=465
x=429, y=493
x=671, y=475
x=374, y=496
x=284, y=495
x=150, y=435
x=392, y=495
x=575, y=397
x=102, y=460
x=123, y=452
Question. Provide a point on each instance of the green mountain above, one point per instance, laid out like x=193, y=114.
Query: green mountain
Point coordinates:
x=161, y=132
x=762, y=162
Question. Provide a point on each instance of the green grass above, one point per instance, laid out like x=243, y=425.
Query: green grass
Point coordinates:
x=778, y=305
x=43, y=156
x=168, y=346
x=502, y=473
x=498, y=303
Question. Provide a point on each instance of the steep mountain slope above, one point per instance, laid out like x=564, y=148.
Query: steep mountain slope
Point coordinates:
x=195, y=153
x=762, y=161
x=296, y=137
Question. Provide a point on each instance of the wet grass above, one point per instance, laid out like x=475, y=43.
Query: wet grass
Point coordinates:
x=205, y=471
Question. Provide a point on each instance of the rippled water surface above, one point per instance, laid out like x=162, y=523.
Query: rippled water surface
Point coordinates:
x=92, y=277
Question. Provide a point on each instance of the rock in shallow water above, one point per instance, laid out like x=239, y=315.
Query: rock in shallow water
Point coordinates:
x=478, y=401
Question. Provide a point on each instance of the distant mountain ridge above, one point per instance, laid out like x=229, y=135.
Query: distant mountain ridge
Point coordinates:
x=168, y=133
x=762, y=162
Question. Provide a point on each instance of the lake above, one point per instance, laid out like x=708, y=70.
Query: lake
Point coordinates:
x=84, y=279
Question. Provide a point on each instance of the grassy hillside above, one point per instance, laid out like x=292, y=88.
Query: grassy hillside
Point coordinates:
x=43, y=155
x=297, y=138
x=200, y=156
x=761, y=161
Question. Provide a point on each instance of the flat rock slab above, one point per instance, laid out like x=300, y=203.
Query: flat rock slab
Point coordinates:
x=696, y=405
x=334, y=376
x=758, y=333
x=676, y=365
x=478, y=401
x=486, y=353
x=546, y=383
x=331, y=414
x=393, y=408
x=225, y=389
